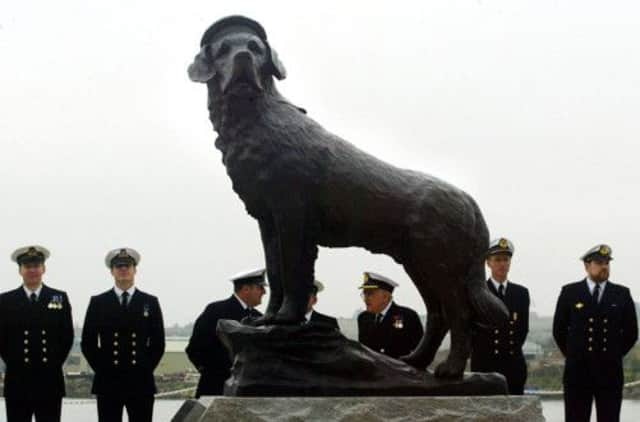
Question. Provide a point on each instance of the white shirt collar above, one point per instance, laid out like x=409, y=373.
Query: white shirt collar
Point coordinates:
x=386, y=309
x=307, y=316
x=497, y=284
x=131, y=290
x=244, y=305
x=592, y=285
x=36, y=291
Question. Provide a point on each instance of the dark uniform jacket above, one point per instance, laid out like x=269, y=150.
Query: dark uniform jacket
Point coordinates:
x=594, y=339
x=499, y=349
x=397, y=335
x=322, y=319
x=123, y=347
x=35, y=340
x=205, y=350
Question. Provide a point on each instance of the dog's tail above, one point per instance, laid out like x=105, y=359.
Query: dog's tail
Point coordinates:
x=489, y=310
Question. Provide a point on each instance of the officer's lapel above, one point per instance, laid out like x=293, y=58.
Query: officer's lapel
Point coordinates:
x=585, y=298
x=608, y=297
x=491, y=287
x=45, y=297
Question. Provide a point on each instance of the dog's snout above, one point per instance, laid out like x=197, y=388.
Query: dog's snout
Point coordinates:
x=243, y=58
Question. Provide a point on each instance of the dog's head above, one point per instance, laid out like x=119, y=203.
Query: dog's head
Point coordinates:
x=236, y=58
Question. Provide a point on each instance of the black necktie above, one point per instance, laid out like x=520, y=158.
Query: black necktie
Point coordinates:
x=501, y=291
x=33, y=298
x=379, y=318
x=596, y=295
x=124, y=303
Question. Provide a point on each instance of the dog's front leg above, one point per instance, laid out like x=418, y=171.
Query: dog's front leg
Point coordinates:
x=297, y=250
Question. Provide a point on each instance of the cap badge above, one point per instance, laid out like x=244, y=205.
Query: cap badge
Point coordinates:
x=604, y=250
x=366, y=277
x=32, y=251
x=503, y=243
x=123, y=253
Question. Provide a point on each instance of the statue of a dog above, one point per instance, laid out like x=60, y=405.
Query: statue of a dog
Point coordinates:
x=307, y=187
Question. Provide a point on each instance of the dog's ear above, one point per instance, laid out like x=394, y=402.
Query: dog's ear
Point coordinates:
x=201, y=70
x=278, y=68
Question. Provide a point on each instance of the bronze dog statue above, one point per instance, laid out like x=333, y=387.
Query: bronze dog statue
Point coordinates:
x=307, y=187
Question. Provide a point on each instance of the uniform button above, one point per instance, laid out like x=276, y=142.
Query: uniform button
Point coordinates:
x=511, y=322
x=511, y=342
x=381, y=350
x=115, y=353
x=133, y=362
x=133, y=343
x=133, y=352
x=496, y=351
x=590, y=329
x=44, y=332
x=133, y=335
x=115, y=334
x=26, y=332
x=496, y=341
x=604, y=330
x=44, y=341
x=590, y=339
x=605, y=320
x=26, y=341
x=26, y=360
x=44, y=349
x=604, y=349
x=604, y=340
x=115, y=343
x=511, y=332
x=26, y=351
x=44, y=360
x=115, y=362
x=590, y=319
x=497, y=331
x=590, y=348
x=511, y=352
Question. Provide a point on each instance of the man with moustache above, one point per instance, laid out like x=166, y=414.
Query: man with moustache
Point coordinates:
x=499, y=349
x=594, y=326
x=205, y=350
x=36, y=334
x=123, y=341
x=386, y=327
x=314, y=317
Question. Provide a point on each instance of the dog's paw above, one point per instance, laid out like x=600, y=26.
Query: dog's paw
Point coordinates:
x=450, y=368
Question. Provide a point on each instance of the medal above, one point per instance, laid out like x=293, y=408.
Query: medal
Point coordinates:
x=579, y=305
x=398, y=323
x=515, y=316
x=145, y=313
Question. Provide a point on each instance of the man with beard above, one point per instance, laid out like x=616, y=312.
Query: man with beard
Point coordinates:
x=386, y=327
x=36, y=334
x=594, y=326
x=499, y=349
x=205, y=350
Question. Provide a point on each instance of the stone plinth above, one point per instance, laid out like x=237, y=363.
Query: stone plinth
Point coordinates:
x=367, y=409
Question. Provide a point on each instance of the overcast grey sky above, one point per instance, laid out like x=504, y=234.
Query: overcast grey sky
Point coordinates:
x=530, y=106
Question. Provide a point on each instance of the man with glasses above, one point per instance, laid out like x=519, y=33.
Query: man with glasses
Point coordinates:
x=205, y=350
x=123, y=341
x=386, y=327
x=594, y=325
x=36, y=334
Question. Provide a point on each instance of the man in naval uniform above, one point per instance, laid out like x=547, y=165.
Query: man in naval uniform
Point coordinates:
x=123, y=341
x=205, y=350
x=499, y=349
x=386, y=327
x=314, y=317
x=594, y=326
x=36, y=334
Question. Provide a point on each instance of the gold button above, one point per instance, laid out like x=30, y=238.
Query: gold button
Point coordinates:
x=133, y=335
x=381, y=350
x=44, y=360
x=496, y=351
x=511, y=352
x=115, y=343
x=605, y=320
x=496, y=341
x=133, y=362
x=26, y=341
x=115, y=334
x=511, y=322
x=115, y=353
x=133, y=352
x=590, y=339
x=26, y=332
x=604, y=330
x=590, y=348
x=590, y=329
x=44, y=349
x=604, y=340
x=26, y=350
x=511, y=342
x=590, y=319
x=497, y=331
x=44, y=332
x=604, y=349
x=133, y=343
x=511, y=332
x=115, y=362
x=26, y=360
x=44, y=341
